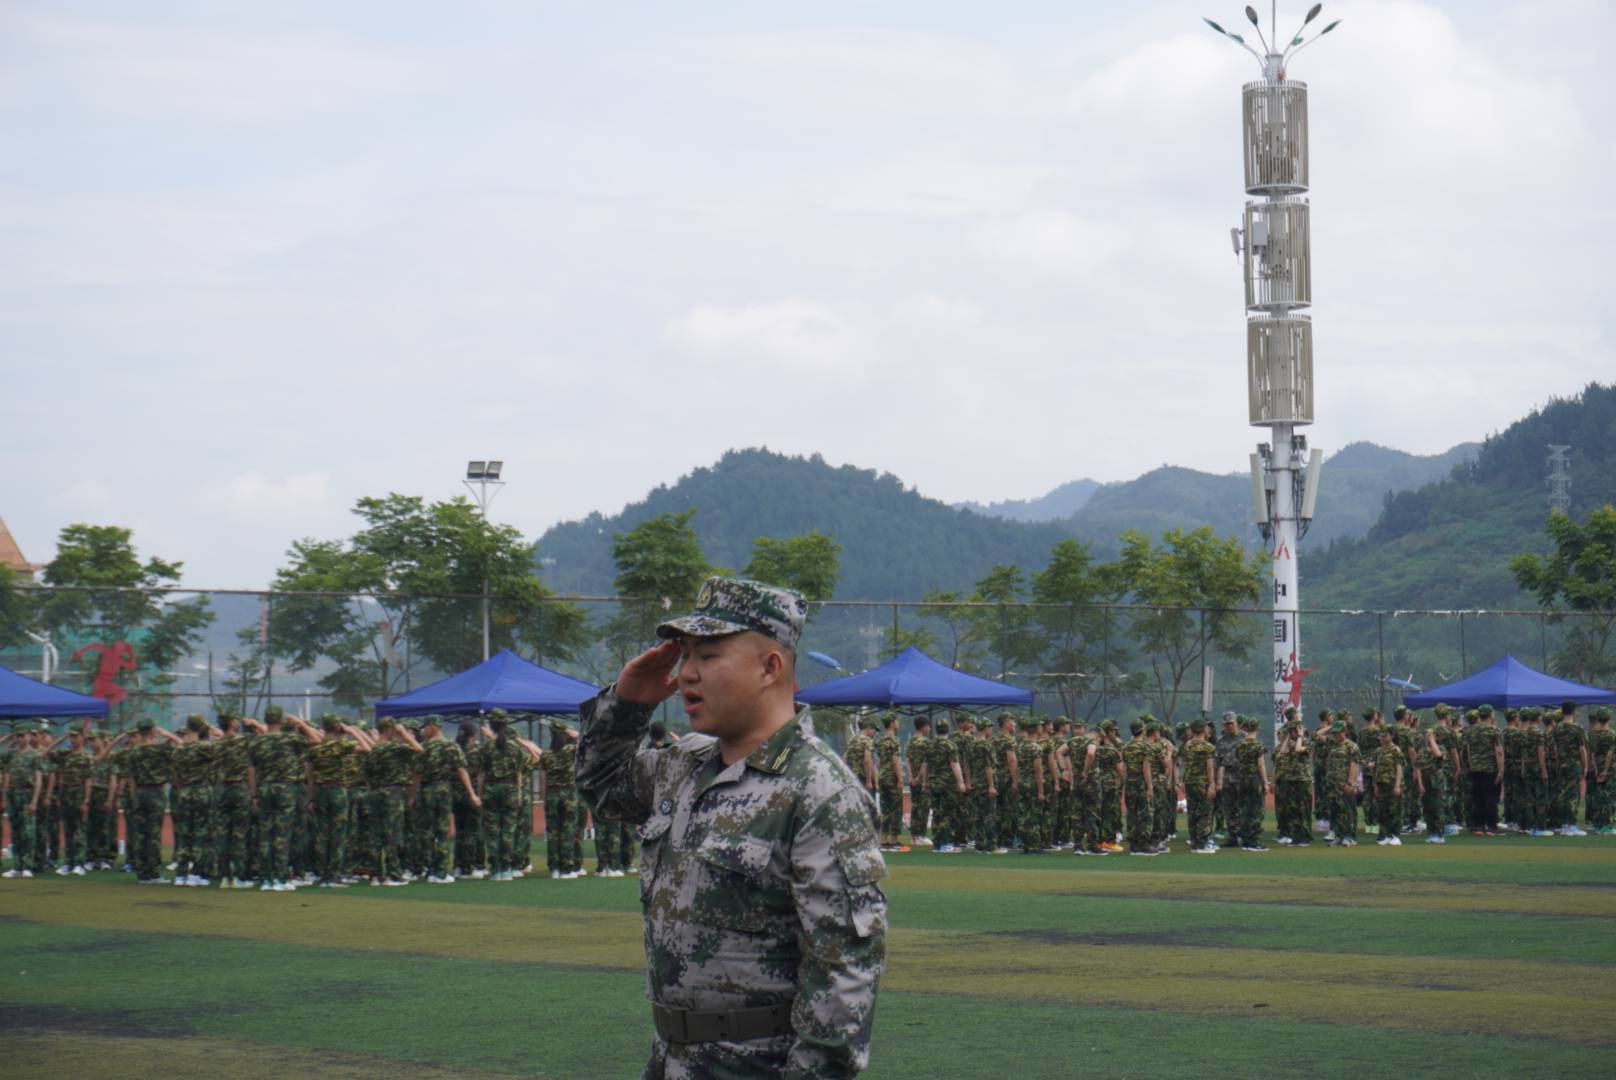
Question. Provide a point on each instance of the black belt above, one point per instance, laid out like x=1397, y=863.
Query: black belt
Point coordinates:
x=722, y=1025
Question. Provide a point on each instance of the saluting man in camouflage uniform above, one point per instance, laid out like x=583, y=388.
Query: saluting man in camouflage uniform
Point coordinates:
x=192, y=795
x=230, y=856
x=947, y=789
x=148, y=766
x=919, y=753
x=1601, y=757
x=1199, y=789
x=760, y=868
x=280, y=776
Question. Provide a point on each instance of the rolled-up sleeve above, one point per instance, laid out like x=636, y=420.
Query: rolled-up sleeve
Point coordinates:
x=615, y=777
x=836, y=868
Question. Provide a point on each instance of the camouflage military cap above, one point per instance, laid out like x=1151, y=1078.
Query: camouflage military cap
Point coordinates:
x=1343, y=714
x=145, y=723
x=1484, y=710
x=1367, y=714
x=274, y=714
x=331, y=721
x=1108, y=725
x=196, y=722
x=385, y=723
x=1181, y=727
x=1137, y=727
x=1324, y=715
x=1197, y=725
x=1248, y=723
x=731, y=605
x=498, y=714
x=1027, y=723
x=1600, y=714
x=1531, y=712
x=1290, y=711
x=1292, y=725
x=1400, y=712
x=942, y=726
x=429, y=720
x=1386, y=730
x=1443, y=710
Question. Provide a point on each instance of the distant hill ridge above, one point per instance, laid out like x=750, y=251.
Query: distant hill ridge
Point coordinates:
x=898, y=543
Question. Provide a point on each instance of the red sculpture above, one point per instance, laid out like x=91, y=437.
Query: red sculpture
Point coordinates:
x=1293, y=675
x=115, y=659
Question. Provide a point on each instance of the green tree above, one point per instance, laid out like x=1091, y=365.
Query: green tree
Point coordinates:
x=109, y=595
x=395, y=615
x=809, y=563
x=1008, y=632
x=1080, y=651
x=16, y=609
x=960, y=635
x=1579, y=576
x=1188, y=584
x=660, y=567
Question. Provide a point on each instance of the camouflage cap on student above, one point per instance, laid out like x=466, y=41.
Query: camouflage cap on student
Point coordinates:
x=730, y=605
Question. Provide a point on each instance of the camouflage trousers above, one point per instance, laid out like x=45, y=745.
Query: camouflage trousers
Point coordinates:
x=524, y=827
x=1293, y=810
x=47, y=826
x=1598, y=805
x=1032, y=820
x=331, y=831
x=74, y=825
x=232, y=816
x=387, y=812
x=1228, y=806
x=1164, y=817
x=1141, y=815
x=1199, y=807
x=1343, y=810
x=502, y=806
x=606, y=854
x=962, y=817
x=1434, y=802
x=1371, y=803
x=435, y=818
x=101, y=830
x=470, y=845
x=1562, y=800
x=301, y=853
x=984, y=825
x=891, y=813
x=717, y=1060
x=919, y=812
x=1060, y=815
x=146, y=833
x=1249, y=803
x=1520, y=802
x=1086, y=818
x=1457, y=798
x=193, y=822
x=277, y=817
x=1006, y=819
x=1108, y=812
x=563, y=830
x=944, y=821
x=24, y=825
x=1389, y=809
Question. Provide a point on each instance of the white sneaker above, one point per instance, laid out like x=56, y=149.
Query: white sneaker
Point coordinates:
x=26, y=873
x=78, y=871
x=1392, y=841
x=636, y=869
x=173, y=866
x=1572, y=830
x=1283, y=841
x=478, y=874
x=12, y=874
x=555, y=875
x=433, y=879
x=1209, y=850
x=1434, y=839
x=268, y=886
x=63, y=870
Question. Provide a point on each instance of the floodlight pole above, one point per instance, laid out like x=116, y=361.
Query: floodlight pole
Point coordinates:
x=478, y=482
x=1274, y=243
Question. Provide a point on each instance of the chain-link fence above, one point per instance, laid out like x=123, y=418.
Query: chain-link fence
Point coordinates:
x=168, y=652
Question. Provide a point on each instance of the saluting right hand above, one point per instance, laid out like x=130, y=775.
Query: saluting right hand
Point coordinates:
x=649, y=678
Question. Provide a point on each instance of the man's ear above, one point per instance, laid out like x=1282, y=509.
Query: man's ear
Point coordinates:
x=774, y=666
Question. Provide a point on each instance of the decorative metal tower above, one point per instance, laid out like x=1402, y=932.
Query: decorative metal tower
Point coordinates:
x=1275, y=245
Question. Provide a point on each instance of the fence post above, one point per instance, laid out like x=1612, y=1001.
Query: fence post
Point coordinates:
x=1543, y=639
x=895, y=649
x=1105, y=658
x=1464, y=661
x=1380, y=637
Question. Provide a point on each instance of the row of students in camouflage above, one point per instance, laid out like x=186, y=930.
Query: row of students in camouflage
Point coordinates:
x=1038, y=786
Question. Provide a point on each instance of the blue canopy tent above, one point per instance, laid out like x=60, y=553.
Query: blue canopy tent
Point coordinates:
x=503, y=681
x=913, y=678
x=22, y=696
x=1510, y=684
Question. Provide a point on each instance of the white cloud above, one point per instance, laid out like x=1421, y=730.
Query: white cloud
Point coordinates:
x=794, y=335
x=257, y=495
x=1050, y=242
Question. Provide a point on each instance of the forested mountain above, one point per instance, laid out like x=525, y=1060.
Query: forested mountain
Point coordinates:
x=897, y=543
x=1447, y=544
x=1062, y=502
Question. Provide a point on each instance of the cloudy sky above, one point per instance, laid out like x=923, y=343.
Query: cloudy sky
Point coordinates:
x=262, y=259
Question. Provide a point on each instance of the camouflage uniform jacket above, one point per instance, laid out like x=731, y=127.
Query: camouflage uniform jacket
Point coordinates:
x=1137, y=757
x=759, y=881
x=329, y=758
x=980, y=757
x=1028, y=752
x=1600, y=743
x=1106, y=756
x=1294, y=765
x=191, y=763
x=278, y=757
x=1197, y=764
x=943, y=754
x=441, y=761
x=72, y=769
x=1385, y=761
x=1479, y=743
x=389, y=764
x=558, y=768
x=503, y=766
x=887, y=750
x=1566, y=742
x=148, y=764
x=1248, y=755
x=918, y=752
x=857, y=747
x=1343, y=756
x=229, y=759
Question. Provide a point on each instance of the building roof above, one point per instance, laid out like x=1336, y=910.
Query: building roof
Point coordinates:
x=11, y=554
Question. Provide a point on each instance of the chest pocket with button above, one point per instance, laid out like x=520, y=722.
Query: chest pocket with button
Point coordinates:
x=653, y=838
x=735, y=890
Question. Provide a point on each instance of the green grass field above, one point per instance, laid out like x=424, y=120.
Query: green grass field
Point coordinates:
x=1482, y=958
